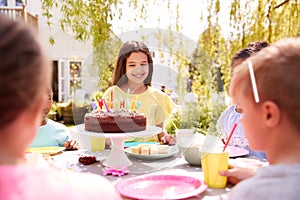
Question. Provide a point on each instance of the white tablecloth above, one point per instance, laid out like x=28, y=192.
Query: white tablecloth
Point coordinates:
x=175, y=165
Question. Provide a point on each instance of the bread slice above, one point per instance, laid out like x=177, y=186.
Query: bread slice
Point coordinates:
x=163, y=149
x=153, y=149
x=145, y=150
x=136, y=149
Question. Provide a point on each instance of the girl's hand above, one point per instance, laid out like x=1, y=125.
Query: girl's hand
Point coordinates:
x=168, y=139
x=71, y=145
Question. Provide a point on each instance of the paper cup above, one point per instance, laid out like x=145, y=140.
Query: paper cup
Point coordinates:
x=212, y=164
x=97, y=144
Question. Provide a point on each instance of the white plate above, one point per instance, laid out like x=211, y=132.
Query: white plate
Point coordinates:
x=172, y=151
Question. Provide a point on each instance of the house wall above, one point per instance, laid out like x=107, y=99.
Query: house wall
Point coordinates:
x=65, y=46
x=65, y=49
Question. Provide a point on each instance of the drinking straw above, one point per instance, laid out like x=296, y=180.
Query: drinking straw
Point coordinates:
x=105, y=105
x=253, y=82
x=231, y=133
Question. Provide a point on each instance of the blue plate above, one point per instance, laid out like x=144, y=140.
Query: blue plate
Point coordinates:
x=131, y=144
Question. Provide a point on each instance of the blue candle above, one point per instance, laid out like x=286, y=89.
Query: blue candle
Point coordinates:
x=139, y=105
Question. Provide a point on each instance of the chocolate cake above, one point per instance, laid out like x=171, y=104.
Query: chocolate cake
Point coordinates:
x=114, y=121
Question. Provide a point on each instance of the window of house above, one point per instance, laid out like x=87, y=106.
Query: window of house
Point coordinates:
x=3, y=2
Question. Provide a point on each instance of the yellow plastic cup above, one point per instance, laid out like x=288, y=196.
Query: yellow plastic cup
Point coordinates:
x=212, y=164
x=97, y=144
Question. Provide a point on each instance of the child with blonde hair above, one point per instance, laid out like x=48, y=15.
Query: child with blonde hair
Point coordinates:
x=270, y=118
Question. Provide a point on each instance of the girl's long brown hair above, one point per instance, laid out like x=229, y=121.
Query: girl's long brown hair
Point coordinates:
x=120, y=76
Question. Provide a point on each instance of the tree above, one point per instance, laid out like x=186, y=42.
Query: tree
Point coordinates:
x=230, y=26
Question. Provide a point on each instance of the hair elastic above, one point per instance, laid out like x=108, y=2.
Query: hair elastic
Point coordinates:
x=253, y=82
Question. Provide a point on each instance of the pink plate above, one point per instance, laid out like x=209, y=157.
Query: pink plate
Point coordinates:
x=236, y=151
x=160, y=187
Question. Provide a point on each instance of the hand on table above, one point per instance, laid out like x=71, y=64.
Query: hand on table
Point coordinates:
x=237, y=174
x=242, y=168
x=71, y=145
x=168, y=139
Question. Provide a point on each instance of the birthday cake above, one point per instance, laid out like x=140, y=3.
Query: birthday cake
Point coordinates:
x=114, y=121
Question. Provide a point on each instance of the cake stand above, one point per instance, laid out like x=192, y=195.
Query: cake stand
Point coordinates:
x=117, y=157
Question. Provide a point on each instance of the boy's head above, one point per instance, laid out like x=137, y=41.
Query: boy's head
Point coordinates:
x=277, y=71
x=24, y=70
x=245, y=53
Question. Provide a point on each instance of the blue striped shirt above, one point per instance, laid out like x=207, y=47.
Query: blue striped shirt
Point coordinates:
x=225, y=124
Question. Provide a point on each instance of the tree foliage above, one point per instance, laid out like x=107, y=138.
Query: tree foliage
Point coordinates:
x=229, y=27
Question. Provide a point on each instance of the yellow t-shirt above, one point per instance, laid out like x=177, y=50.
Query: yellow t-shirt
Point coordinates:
x=155, y=104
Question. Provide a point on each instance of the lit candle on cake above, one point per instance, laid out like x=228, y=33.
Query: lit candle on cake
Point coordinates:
x=122, y=104
x=94, y=105
x=107, y=109
x=139, y=105
x=116, y=104
x=134, y=103
x=100, y=102
x=111, y=99
x=109, y=104
x=127, y=99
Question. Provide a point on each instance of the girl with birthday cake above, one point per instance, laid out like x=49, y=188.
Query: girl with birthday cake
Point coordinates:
x=132, y=89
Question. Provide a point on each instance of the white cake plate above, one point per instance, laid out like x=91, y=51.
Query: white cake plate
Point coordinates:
x=117, y=157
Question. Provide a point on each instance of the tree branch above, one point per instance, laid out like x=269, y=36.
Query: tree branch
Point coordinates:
x=281, y=4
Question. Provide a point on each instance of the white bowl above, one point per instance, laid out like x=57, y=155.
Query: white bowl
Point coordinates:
x=189, y=148
x=192, y=155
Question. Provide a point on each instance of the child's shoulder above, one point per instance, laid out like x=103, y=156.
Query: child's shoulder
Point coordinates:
x=112, y=88
x=153, y=90
x=56, y=125
x=231, y=111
